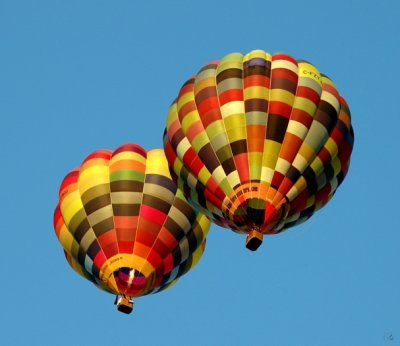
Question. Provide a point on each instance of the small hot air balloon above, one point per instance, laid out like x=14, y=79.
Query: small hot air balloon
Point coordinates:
x=259, y=142
x=125, y=226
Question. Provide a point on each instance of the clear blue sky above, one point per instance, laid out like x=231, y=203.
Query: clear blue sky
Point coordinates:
x=76, y=76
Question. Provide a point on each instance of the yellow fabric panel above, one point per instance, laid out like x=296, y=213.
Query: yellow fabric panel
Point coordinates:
x=66, y=238
x=236, y=134
x=215, y=128
x=257, y=53
x=226, y=186
x=189, y=119
x=203, y=175
x=157, y=163
x=308, y=70
x=272, y=148
x=93, y=176
x=331, y=146
x=128, y=155
x=305, y=105
x=255, y=172
x=336, y=165
x=233, y=107
x=256, y=92
x=235, y=121
x=202, y=83
x=178, y=165
x=172, y=115
x=204, y=223
x=184, y=99
x=70, y=205
x=307, y=152
x=199, y=141
x=255, y=162
x=292, y=193
x=196, y=255
x=233, y=60
x=95, y=161
x=317, y=166
x=281, y=95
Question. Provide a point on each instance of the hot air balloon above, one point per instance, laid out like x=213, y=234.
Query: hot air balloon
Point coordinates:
x=259, y=142
x=125, y=226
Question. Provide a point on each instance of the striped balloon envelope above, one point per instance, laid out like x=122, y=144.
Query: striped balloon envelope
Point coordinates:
x=259, y=142
x=125, y=226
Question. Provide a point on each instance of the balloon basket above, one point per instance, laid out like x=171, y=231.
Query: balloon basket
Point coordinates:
x=254, y=240
x=125, y=305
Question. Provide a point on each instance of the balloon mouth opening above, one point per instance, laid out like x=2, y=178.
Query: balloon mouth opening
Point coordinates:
x=254, y=240
x=130, y=281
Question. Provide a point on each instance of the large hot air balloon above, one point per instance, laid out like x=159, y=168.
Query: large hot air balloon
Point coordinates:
x=259, y=142
x=125, y=226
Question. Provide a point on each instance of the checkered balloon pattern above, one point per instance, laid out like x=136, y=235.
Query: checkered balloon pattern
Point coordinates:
x=124, y=225
x=259, y=141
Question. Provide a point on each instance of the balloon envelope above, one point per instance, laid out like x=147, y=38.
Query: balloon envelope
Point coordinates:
x=124, y=225
x=259, y=142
